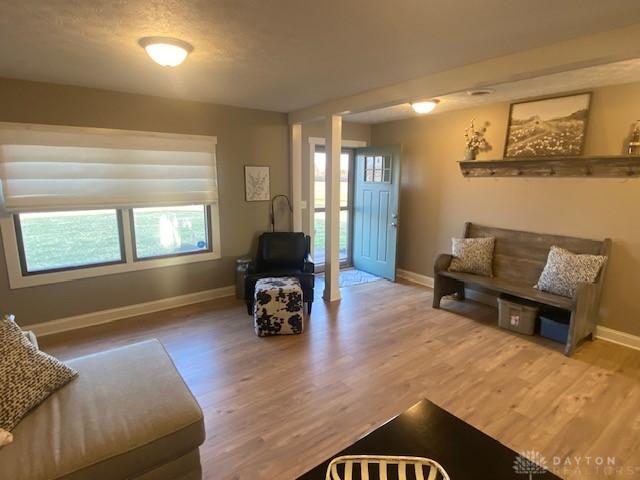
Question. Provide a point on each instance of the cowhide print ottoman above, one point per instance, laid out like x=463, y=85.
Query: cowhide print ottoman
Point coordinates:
x=278, y=307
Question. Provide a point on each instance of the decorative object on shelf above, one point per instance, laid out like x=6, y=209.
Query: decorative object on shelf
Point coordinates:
x=273, y=210
x=611, y=166
x=474, y=141
x=634, y=143
x=548, y=127
x=256, y=183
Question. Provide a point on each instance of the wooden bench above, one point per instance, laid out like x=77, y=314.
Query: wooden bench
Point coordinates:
x=519, y=258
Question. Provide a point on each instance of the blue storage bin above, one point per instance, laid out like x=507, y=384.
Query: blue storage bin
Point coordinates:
x=553, y=329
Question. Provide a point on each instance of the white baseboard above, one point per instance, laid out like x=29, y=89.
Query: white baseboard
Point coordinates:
x=415, y=277
x=603, y=333
x=616, y=336
x=113, y=314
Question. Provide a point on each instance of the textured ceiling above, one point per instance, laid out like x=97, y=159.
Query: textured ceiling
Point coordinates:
x=574, y=80
x=280, y=54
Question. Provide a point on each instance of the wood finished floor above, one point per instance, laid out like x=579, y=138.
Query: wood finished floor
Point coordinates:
x=275, y=407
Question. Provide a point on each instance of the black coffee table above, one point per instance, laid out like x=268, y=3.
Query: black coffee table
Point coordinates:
x=426, y=430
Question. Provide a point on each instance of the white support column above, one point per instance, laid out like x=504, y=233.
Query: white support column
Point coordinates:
x=296, y=175
x=333, y=134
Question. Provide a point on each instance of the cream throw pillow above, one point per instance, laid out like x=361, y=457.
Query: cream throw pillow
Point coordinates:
x=565, y=270
x=472, y=255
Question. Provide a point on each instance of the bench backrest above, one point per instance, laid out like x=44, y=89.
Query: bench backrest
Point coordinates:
x=521, y=256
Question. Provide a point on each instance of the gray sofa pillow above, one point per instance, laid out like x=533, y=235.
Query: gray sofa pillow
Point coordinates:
x=28, y=375
x=472, y=255
x=565, y=270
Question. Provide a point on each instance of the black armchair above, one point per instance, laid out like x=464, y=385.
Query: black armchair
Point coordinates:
x=282, y=254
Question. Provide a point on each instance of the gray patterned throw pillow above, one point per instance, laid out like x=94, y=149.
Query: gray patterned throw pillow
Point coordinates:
x=565, y=270
x=27, y=375
x=472, y=255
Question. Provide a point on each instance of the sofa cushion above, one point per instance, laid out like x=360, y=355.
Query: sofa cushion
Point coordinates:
x=564, y=270
x=128, y=412
x=472, y=255
x=28, y=376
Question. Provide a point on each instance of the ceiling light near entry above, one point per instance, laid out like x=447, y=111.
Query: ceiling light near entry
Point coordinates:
x=425, y=107
x=165, y=51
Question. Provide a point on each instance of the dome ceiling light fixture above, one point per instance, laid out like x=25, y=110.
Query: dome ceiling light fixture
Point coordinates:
x=166, y=51
x=425, y=106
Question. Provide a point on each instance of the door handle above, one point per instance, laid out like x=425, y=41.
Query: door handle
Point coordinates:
x=394, y=225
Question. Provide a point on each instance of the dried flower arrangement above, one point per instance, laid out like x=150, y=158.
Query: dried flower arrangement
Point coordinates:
x=474, y=140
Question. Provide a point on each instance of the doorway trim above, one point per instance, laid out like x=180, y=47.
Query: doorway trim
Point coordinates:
x=313, y=143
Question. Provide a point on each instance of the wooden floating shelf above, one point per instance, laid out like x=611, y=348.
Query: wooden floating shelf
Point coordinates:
x=583, y=166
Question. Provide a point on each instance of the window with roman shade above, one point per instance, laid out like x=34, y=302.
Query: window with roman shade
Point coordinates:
x=88, y=178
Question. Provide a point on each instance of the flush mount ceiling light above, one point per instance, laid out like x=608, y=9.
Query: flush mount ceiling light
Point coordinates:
x=165, y=51
x=425, y=107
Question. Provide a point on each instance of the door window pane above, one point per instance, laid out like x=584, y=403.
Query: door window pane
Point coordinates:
x=164, y=231
x=377, y=169
x=66, y=240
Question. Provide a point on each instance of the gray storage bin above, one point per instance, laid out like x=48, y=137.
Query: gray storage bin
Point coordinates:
x=517, y=315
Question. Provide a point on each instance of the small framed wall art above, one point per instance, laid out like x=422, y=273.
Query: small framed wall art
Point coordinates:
x=256, y=184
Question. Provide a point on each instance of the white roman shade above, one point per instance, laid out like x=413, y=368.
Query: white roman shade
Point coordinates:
x=58, y=169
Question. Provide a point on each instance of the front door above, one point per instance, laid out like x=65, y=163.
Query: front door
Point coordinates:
x=375, y=210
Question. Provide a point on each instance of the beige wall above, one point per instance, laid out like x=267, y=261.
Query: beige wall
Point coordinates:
x=350, y=131
x=436, y=200
x=244, y=137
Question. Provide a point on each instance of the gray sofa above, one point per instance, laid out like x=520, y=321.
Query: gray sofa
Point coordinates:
x=129, y=415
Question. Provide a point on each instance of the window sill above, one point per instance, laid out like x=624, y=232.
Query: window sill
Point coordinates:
x=21, y=281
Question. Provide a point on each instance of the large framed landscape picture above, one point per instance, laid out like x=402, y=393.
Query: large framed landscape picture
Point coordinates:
x=548, y=127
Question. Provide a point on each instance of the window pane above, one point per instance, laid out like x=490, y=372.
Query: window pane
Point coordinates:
x=162, y=231
x=59, y=240
x=320, y=165
x=344, y=233
x=318, y=237
x=344, y=179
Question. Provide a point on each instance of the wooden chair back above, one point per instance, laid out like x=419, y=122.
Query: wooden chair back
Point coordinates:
x=521, y=256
